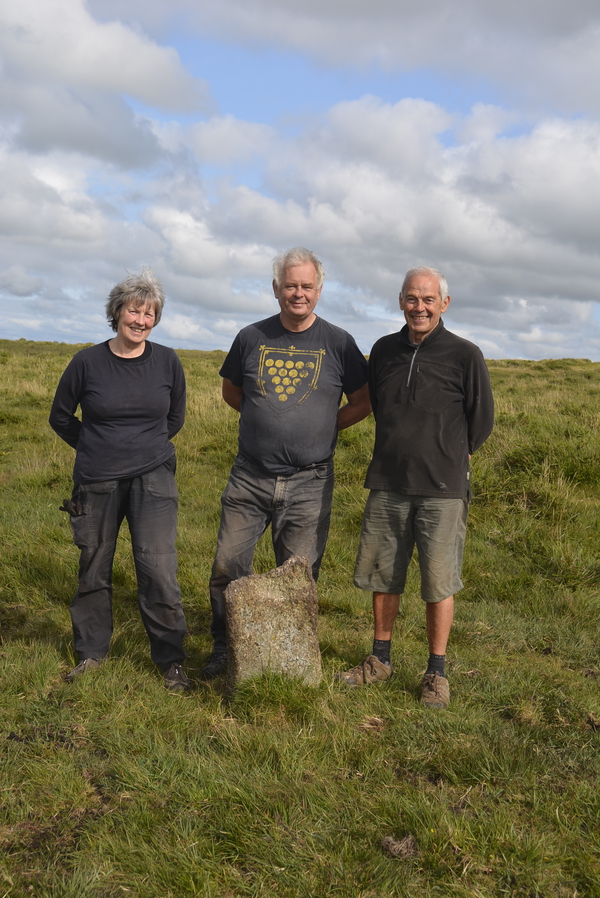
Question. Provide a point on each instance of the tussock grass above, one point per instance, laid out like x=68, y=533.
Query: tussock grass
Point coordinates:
x=112, y=786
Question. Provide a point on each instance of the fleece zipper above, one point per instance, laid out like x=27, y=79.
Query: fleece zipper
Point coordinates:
x=412, y=362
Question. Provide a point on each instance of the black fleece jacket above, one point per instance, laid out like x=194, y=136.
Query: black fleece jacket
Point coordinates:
x=433, y=407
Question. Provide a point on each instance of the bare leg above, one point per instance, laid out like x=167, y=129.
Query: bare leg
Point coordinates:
x=439, y=617
x=385, y=611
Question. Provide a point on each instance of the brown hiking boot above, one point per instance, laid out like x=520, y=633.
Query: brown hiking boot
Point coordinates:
x=371, y=670
x=435, y=691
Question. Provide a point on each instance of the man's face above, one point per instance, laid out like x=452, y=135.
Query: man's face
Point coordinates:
x=422, y=306
x=298, y=295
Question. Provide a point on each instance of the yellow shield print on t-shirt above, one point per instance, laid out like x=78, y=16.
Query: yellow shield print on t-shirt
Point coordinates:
x=287, y=377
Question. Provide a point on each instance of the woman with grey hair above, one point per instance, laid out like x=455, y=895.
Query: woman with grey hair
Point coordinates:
x=131, y=393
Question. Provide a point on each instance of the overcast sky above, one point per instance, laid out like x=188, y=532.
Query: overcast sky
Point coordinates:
x=203, y=137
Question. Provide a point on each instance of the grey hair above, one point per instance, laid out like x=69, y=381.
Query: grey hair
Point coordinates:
x=299, y=255
x=138, y=289
x=431, y=272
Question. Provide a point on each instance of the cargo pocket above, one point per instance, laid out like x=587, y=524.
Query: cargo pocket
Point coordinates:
x=161, y=481
x=84, y=524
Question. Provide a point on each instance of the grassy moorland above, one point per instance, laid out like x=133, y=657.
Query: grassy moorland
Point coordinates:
x=111, y=786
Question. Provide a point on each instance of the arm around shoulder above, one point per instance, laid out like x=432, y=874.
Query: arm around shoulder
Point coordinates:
x=357, y=408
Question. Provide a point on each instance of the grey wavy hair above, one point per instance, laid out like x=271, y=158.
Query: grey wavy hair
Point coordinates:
x=298, y=255
x=431, y=272
x=137, y=289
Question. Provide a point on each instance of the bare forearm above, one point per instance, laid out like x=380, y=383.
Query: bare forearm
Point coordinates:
x=357, y=408
x=349, y=415
x=232, y=394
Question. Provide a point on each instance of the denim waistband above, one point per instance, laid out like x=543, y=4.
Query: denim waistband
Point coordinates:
x=316, y=464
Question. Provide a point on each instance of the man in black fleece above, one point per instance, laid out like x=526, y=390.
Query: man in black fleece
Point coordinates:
x=433, y=406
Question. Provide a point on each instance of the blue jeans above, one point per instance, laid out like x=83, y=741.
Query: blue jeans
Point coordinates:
x=298, y=507
x=149, y=502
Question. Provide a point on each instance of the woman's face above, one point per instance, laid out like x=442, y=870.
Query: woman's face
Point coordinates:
x=135, y=323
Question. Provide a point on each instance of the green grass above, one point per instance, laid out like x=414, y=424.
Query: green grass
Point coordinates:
x=111, y=786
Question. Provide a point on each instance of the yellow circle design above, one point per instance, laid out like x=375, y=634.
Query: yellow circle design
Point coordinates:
x=290, y=390
x=279, y=389
x=304, y=374
x=289, y=364
x=299, y=364
x=272, y=370
x=282, y=398
x=297, y=381
x=276, y=380
x=285, y=381
x=309, y=364
x=292, y=372
x=268, y=363
x=279, y=363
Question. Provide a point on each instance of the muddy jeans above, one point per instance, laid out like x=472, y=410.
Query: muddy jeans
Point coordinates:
x=298, y=507
x=149, y=502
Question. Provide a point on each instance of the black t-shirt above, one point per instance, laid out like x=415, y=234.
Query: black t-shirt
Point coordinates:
x=130, y=408
x=292, y=385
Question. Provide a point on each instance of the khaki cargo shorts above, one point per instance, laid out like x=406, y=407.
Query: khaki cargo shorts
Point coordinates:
x=393, y=524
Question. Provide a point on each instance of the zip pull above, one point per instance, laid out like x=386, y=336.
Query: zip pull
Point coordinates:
x=411, y=365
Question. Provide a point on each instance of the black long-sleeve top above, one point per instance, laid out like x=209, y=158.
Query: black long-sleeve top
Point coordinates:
x=130, y=409
x=433, y=407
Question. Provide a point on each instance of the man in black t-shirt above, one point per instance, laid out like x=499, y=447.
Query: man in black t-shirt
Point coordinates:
x=286, y=376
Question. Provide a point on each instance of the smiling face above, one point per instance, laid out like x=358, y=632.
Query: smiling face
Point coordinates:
x=298, y=296
x=135, y=323
x=422, y=305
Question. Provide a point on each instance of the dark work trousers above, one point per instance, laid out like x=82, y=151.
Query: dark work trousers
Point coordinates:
x=149, y=502
x=298, y=507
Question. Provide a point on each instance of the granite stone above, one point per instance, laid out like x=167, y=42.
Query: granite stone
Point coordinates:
x=272, y=624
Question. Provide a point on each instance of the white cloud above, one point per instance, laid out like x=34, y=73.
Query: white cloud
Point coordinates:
x=28, y=323
x=58, y=41
x=543, y=52
x=193, y=248
x=32, y=210
x=550, y=176
x=395, y=138
x=490, y=212
x=66, y=77
x=90, y=190
x=17, y=281
x=92, y=124
x=488, y=204
x=224, y=139
x=184, y=328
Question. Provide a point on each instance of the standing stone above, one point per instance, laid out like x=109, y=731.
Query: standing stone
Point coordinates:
x=272, y=624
